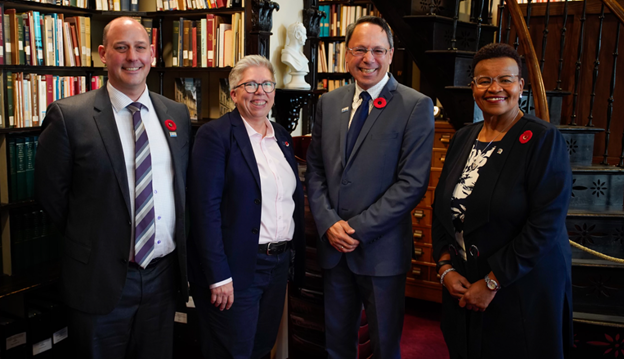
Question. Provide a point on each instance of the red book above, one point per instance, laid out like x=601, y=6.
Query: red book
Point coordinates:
x=155, y=43
x=75, y=44
x=76, y=89
x=194, y=46
x=49, y=89
x=210, y=31
x=220, y=3
x=94, y=83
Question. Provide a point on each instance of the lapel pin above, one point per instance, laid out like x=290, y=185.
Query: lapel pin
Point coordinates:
x=344, y=109
x=380, y=102
x=171, y=126
x=526, y=136
x=286, y=143
x=500, y=150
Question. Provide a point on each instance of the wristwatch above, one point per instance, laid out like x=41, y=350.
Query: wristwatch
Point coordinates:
x=491, y=283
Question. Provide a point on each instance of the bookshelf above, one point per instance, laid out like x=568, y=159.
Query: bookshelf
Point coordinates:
x=255, y=31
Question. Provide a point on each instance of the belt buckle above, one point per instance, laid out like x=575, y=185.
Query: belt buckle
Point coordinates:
x=268, y=251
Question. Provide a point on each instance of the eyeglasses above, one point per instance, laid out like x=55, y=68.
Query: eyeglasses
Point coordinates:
x=484, y=82
x=252, y=87
x=377, y=52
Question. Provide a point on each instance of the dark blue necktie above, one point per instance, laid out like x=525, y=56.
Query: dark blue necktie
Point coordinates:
x=357, y=123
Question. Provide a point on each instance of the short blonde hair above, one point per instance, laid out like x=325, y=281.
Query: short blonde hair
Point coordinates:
x=246, y=62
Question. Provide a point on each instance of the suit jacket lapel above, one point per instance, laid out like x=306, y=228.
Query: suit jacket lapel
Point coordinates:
x=242, y=139
x=453, y=176
x=288, y=154
x=345, y=116
x=478, y=211
x=105, y=122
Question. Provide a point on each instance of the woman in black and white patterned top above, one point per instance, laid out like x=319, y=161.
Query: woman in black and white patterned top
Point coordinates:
x=499, y=235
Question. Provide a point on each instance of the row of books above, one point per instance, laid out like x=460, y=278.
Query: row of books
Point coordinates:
x=29, y=95
x=84, y=4
x=166, y=5
x=330, y=85
x=215, y=41
x=34, y=240
x=340, y=16
x=36, y=39
x=331, y=57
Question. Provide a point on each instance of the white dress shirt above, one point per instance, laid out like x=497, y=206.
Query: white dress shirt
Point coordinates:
x=162, y=166
x=277, y=184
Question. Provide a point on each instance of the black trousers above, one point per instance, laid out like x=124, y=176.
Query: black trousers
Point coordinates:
x=140, y=326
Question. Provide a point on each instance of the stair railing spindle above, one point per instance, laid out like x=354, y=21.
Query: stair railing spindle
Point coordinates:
x=610, y=100
x=577, y=73
x=479, y=21
x=590, y=118
x=455, y=19
x=562, y=45
x=545, y=37
x=509, y=31
x=499, y=33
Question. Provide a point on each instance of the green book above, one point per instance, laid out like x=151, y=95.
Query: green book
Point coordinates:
x=2, y=112
x=20, y=149
x=7, y=39
x=9, y=101
x=29, y=146
x=12, y=169
x=176, y=35
x=20, y=40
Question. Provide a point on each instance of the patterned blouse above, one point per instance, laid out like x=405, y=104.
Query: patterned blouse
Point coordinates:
x=479, y=155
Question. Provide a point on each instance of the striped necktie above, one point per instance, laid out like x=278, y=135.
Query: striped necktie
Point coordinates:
x=144, y=227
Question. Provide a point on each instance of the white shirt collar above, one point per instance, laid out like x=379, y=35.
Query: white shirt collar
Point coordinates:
x=120, y=100
x=373, y=91
x=251, y=132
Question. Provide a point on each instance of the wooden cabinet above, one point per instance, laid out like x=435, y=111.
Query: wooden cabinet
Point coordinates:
x=423, y=281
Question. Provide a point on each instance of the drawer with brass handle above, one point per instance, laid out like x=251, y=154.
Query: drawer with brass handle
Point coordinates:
x=437, y=157
x=422, y=254
x=421, y=217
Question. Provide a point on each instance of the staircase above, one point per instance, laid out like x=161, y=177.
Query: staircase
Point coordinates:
x=581, y=77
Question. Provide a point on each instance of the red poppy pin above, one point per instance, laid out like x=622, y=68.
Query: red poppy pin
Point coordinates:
x=170, y=125
x=286, y=143
x=380, y=102
x=526, y=136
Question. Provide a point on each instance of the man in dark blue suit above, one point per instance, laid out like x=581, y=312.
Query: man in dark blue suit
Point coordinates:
x=368, y=167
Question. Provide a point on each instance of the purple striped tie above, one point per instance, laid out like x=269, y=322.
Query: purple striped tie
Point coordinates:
x=144, y=227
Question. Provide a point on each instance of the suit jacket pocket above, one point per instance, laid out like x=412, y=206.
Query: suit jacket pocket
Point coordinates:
x=77, y=251
x=384, y=136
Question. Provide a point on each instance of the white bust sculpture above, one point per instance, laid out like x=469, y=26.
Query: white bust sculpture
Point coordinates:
x=293, y=57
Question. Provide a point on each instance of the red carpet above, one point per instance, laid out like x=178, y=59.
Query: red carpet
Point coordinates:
x=422, y=338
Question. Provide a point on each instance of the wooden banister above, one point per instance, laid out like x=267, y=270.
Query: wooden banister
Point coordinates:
x=537, y=83
x=615, y=8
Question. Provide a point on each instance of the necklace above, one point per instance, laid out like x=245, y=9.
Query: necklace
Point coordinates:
x=482, y=155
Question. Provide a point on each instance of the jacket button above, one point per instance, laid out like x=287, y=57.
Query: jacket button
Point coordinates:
x=254, y=231
x=257, y=201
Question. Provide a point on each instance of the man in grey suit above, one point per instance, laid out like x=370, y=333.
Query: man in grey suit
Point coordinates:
x=110, y=172
x=368, y=167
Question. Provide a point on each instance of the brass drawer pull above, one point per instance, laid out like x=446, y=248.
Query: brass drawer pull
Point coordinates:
x=442, y=158
x=418, y=251
x=419, y=214
x=418, y=234
x=416, y=272
x=445, y=138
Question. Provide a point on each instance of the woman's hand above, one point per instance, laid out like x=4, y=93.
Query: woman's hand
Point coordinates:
x=477, y=297
x=456, y=284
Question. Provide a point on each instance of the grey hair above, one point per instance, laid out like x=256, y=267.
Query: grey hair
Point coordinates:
x=373, y=20
x=246, y=62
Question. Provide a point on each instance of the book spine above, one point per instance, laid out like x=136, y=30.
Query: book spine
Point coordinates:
x=176, y=34
x=12, y=169
x=29, y=147
x=20, y=168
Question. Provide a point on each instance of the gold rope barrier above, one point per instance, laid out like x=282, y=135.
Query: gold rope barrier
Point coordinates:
x=597, y=254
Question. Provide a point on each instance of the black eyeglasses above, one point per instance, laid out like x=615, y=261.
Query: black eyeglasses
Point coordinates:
x=252, y=87
x=361, y=51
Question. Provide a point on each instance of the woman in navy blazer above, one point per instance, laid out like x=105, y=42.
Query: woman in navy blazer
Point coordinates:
x=499, y=234
x=241, y=244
